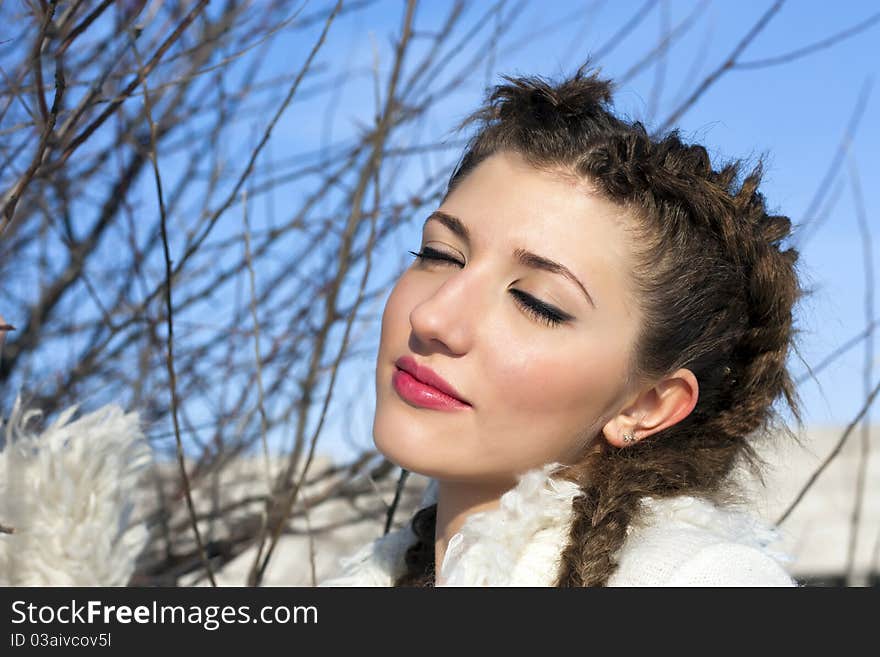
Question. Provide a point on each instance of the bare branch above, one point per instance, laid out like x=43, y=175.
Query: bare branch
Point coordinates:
x=822, y=44
x=728, y=64
x=831, y=456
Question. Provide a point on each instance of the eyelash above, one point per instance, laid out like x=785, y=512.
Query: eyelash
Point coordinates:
x=537, y=309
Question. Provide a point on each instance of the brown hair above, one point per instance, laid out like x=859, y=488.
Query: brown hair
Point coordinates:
x=715, y=290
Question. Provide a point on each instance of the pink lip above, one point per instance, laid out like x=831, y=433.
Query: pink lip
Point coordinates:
x=422, y=386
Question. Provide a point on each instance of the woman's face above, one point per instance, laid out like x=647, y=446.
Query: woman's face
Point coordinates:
x=537, y=392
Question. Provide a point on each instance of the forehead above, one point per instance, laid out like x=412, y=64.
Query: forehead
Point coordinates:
x=505, y=191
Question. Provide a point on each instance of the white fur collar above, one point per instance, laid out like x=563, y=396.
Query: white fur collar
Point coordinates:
x=490, y=544
x=519, y=542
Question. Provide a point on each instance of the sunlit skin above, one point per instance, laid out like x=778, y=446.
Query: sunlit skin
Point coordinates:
x=538, y=393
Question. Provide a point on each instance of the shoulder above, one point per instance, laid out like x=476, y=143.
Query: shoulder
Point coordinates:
x=689, y=541
x=378, y=563
x=731, y=564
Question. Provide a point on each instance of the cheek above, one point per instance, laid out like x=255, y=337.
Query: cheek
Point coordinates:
x=546, y=400
x=546, y=381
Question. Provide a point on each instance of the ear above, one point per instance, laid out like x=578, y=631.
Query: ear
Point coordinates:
x=655, y=408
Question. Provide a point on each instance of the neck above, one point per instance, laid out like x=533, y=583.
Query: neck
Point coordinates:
x=456, y=501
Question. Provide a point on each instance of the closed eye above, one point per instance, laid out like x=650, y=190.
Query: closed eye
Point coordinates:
x=539, y=310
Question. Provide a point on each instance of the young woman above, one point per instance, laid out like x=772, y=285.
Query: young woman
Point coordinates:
x=581, y=357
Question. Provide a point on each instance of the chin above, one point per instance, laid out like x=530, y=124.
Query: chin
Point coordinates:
x=415, y=453
x=431, y=443
x=401, y=451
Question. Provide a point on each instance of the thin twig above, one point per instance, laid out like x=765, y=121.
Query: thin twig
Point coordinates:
x=259, y=362
x=828, y=459
x=38, y=60
x=261, y=405
x=728, y=64
x=602, y=51
x=306, y=511
x=837, y=353
x=660, y=68
x=836, y=162
x=678, y=31
x=83, y=24
x=865, y=451
x=398, y=492
x=827, y=42
x=169, y=309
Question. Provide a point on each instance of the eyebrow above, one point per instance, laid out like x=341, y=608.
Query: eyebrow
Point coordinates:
x=523, y=256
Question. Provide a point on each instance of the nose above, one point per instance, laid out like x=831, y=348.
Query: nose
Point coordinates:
x=448, y=315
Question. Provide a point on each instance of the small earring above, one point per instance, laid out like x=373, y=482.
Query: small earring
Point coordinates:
x=628, y=438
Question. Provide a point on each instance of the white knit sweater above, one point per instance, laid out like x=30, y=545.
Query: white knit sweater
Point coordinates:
x=680, y=541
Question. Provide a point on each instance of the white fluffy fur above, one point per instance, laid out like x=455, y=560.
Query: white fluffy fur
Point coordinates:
x=493, y=541
x=68, y=493
x=681, y=541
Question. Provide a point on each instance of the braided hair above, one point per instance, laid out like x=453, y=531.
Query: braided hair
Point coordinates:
x=714, y=286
